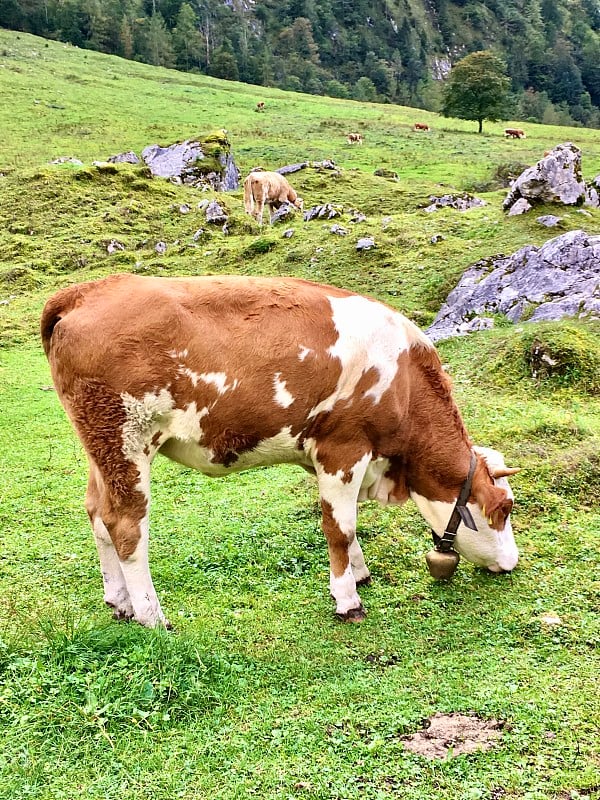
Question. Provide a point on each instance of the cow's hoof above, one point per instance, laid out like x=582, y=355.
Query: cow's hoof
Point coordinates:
x=364, y=581
x=122, y=616
x=353, y=615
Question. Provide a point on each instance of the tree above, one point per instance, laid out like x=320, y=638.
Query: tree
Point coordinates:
x=187, y=40
x=477, y=88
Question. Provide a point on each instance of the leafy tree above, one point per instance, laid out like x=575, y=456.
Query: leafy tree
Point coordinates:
x=477, y=88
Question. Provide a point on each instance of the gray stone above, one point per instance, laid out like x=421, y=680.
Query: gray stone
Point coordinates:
x=556, y=178
x=186, y=162
x=560, y=278
x=325, y=211
x=339, y=230
x=67, y=160
x=161, y=248
x=288, y=233
x=358, y=216
x=521, y=206
x=289, y=168
x=114, y=247
x=365, y=244
x=124, y=158
x=592, y=193
x=461, y=202
x=285, y=212
x=549, y=220
x=215, y=214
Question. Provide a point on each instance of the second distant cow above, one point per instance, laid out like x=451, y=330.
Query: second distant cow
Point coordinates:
x=268, y=188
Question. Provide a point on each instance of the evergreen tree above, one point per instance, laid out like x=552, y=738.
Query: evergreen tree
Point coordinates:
x=158, y=46
x=477, y=88
x=187, y=40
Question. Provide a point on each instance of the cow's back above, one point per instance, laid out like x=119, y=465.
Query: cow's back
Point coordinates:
x=233, y=360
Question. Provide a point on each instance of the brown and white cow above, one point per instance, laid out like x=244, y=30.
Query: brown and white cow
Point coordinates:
x=354, y=138
x=268, y=188
x=421, y=126
x=260, y=106
x=514, y=133
x=226, y=373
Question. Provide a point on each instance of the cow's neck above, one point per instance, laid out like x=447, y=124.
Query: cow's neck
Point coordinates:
x=439, y=452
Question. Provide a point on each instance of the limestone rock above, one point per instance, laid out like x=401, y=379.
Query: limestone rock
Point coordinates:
x=558, y=279
x=556, y=178
x=461, y=202
x=204, y=162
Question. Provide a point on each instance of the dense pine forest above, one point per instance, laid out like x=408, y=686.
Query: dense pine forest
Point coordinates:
x=395, y=51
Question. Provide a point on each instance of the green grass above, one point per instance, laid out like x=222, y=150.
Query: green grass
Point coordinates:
x=259, y=692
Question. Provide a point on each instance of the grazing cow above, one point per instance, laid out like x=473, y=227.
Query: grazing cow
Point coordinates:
x=514, y=133
x=226, y=373
x=354, y=138
x=421, y=126
x=268, y=188
x=260, y=106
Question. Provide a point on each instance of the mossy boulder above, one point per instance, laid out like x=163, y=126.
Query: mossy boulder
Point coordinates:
x=205, y=161
x=557, y=355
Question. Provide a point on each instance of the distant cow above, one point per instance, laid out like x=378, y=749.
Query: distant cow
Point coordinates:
x=354, y=138
x=268, y=188
x=514, y=133
x=260, y=106
x=226, y=373
x=421, y=126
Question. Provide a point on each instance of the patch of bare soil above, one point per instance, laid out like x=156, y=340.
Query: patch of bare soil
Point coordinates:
x=454, y=734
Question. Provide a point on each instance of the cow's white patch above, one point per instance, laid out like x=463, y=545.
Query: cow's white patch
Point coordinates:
x=115, y=588
x=304, y=351
x=143, y=419
x=184, y=423
x=146, y=606
x=282, y=396
x=341, y=494
x=343, y=590
x=370, y=336
x=485, y=547
x=219, y=380
x=357, y=561
x=279, y=449
x=189, y=373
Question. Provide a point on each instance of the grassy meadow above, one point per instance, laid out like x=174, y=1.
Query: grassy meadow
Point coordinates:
x=259, y=692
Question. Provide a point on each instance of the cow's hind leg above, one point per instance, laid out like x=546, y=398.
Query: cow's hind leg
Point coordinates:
x=116, y=594
x=123, y=499
x=339, y=495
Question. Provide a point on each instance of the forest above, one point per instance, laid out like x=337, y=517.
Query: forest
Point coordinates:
x=389, y=51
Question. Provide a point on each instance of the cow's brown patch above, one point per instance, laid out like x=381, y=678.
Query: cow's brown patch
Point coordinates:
x=450, y=735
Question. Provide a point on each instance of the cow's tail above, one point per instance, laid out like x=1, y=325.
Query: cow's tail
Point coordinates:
x=55, y=309
x=248, y=196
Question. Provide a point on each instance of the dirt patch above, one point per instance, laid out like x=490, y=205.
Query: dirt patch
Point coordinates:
x=450, y=735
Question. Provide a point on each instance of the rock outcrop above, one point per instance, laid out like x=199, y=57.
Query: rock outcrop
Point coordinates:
x=558, y=279
x=556, y=178
x=197, y=162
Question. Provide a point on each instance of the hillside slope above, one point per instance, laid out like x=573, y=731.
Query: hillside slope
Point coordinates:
x=387, y=50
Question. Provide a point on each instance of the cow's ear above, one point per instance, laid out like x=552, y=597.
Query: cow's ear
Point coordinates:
x=494, y=502
x=498, y=516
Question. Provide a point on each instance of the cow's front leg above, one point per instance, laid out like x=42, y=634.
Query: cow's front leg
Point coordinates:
x=339, y=494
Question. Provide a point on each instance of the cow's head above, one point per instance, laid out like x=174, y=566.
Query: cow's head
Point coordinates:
x=492, y=545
